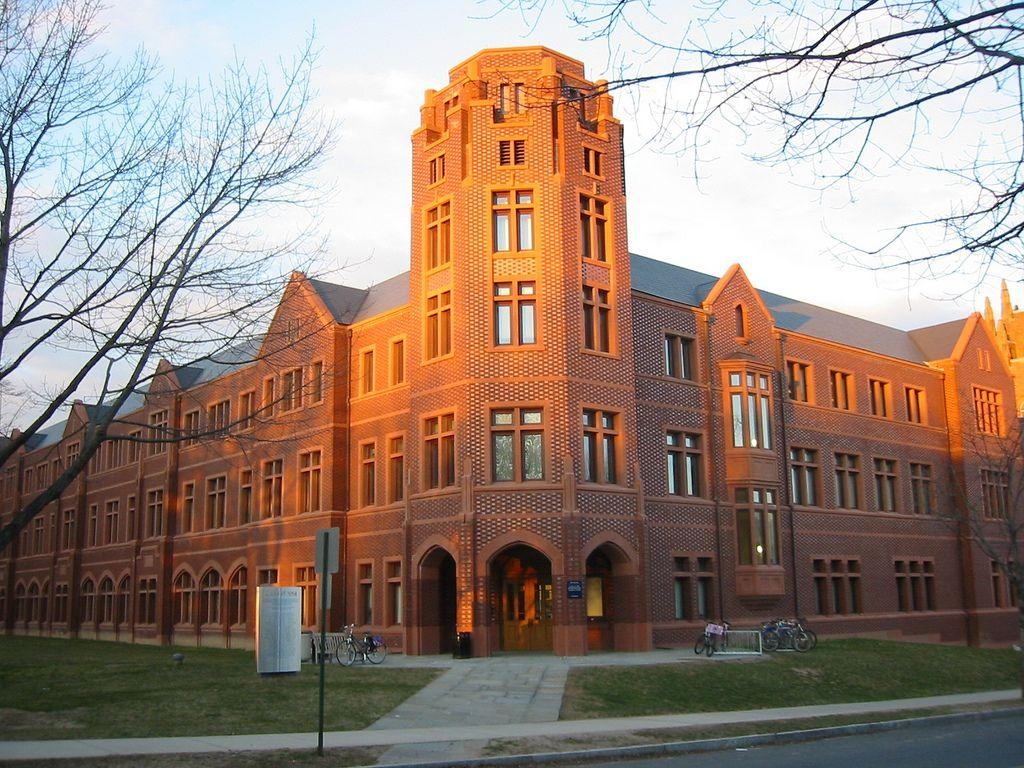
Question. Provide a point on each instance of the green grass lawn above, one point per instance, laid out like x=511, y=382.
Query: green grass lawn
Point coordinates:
x=66, y=689
x=835, y=671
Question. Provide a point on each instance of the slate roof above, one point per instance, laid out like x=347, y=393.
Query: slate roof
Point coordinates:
x=690, y=287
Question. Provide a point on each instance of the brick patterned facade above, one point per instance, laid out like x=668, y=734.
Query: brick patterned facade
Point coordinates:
x=533, y=436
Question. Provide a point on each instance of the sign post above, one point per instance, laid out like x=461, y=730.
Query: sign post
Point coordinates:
x=328, y=546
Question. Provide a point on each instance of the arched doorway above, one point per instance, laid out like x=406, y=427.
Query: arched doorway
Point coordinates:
x=600, y=601
x=437, y=600
x=522, y=582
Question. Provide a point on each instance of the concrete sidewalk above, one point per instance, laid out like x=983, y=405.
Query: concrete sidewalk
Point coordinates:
x=476, y=700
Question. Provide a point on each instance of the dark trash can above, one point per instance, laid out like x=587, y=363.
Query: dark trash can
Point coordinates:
x=463, y=645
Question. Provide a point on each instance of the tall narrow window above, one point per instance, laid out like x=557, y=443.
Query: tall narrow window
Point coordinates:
x=291, y=389
x=211, y=589
x=741, y=321
x=396, y=468
x=269, y=404
x=842, y=390
x=512, y=220
x=158, y=433
x=439, y=235
x=756, y=526
x=397, y=362
x=368, y=474
x=600, y=446
x=921, y=487
x=245, y=497
x=597, y=311
x=111, y=522
x=316, y=382
x=915, y=405
x=847, y=481
x=439, y=325
x=881, y=399
x=515, y=313
x=693, y=586
x=247, y=410
x=216, y=501
x=306, y=580
x=684, y=464
x=799, y=376
x=272, y=488
x=593, y=228
x=803, y=476
x=238, y=595
x=366, y=372
x=517, y=444
x=155, y=512
x=183, y=599
x=365, y=605
x=190, y=428
x=592, y=161
x=511, y=99
x=188, y=508
x=439, y=451
x=750, y=402
x=218, y=418
x=885, y=484
x=436, y=169
x=393, y=574
x=309, y=481
x=679, y=351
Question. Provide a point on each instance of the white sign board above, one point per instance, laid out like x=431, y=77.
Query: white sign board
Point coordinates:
x=278, y=629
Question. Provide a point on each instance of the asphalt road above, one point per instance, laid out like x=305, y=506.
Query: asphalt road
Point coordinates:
x=992, y=743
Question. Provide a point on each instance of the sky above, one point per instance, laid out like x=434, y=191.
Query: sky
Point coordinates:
x=379, y=57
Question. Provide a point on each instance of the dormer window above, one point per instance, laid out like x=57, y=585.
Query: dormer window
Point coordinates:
x=741, y=322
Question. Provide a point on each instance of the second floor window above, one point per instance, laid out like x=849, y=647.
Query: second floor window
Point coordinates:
x=679, y=357
x=512, y=220
x=803, y=476
x=842, y=390
x=309, y=481
x=439, y=451
x=515, y=313
x=157, y=433
x=439, y=325
x=597, y=312
x=751, y=409
x=799, y=375
x=368, y=474
x=216, y=502
x=439, y=238
x=885, y=484
x=684, y=464
x=847, y=481
x=915, y=405
x=600, y=446
x=517, y=444
x=921, y=485
x=881, y=402
x=218, y=417
x=593, y=228
x=995, y=493
x=291, y=389
x=273, y=478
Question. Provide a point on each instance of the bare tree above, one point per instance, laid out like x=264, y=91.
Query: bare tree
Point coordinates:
x=988, y=487
x=132, y=216
x=855, y=88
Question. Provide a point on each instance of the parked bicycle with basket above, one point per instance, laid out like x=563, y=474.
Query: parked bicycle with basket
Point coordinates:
x=371, y=648
x=714, y=638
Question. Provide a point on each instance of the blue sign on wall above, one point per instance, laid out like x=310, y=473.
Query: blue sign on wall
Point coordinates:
x=575, y=589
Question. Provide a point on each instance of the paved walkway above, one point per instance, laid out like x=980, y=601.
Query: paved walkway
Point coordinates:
x=474, y=701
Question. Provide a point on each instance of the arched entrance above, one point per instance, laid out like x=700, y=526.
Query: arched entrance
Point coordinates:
x=521, y=578
x=600, y=594
x=437, y=599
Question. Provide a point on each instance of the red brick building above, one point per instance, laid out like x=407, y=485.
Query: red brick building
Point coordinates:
x=532, y=436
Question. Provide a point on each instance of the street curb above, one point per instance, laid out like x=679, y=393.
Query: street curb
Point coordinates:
x=716, y=745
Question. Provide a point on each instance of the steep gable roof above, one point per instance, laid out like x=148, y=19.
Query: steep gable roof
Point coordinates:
x=342, y=301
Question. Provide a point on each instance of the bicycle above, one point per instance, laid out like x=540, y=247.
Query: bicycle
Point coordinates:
x=786, y=634
x=714, y=638
x=371, y=648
